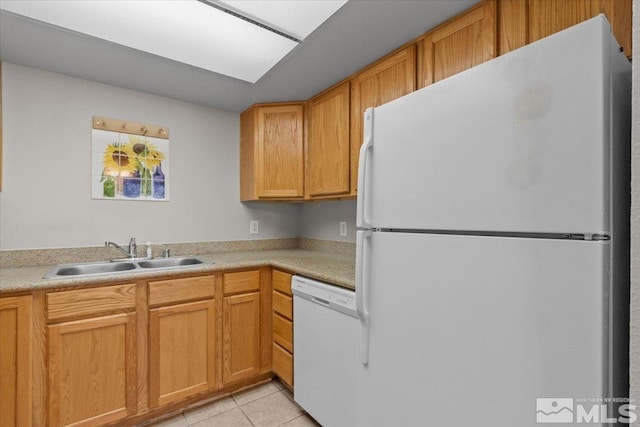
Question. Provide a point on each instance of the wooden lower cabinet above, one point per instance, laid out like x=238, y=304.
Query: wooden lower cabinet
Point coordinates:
x=123, y=353
x=92, y=370
x=283, y=364
x=241, y=337
x=182, y=346
x=282, y=349
x=15, y=361
x=246, y=324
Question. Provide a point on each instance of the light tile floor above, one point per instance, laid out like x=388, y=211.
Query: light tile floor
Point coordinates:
x=267, y=405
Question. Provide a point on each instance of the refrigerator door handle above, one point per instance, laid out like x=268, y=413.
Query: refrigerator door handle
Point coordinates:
x=363, y=220
x=362, y=268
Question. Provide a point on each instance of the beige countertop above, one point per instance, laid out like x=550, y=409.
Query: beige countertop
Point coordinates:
x=332, y=268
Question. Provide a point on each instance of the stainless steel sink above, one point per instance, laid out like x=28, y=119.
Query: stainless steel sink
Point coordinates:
x=111, y=267
x=89, y=268
x=169, y=262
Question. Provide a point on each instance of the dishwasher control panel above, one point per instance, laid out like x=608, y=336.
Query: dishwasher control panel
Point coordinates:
x=338, y=298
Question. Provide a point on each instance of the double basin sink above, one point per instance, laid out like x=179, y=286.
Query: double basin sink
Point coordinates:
x=111, y=267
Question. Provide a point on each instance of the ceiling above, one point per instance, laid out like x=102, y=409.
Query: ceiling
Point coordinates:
x=358, y=34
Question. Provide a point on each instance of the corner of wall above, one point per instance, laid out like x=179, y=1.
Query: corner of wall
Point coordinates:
x=634, y=368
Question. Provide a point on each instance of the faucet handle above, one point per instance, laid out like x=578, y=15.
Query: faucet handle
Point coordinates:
x=133, y=248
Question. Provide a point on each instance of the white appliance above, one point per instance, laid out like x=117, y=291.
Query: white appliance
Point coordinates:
x=492, y=265
x=325, y=340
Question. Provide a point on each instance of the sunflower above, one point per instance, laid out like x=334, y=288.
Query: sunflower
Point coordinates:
x=147, y=153
x=119, y=157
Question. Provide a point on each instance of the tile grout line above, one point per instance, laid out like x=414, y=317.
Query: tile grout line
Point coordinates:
x=296, y=405
x=265, y=396
x=186, y=423
x=245, y=415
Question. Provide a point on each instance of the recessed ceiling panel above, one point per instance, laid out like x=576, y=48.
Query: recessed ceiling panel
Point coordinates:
x=297, y=18
x=187, y=31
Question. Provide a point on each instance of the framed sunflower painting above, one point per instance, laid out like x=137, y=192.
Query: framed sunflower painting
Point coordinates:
x=129, y=166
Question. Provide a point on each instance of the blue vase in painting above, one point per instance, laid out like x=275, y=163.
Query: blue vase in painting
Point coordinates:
x=131, y=185
x=158, y=183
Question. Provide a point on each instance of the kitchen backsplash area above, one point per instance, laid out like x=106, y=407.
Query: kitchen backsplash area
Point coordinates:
x=321, y=220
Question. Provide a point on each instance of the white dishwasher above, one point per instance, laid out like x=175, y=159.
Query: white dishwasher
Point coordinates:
x=325, y=348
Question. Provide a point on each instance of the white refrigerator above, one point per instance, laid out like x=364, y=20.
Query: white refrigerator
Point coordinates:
x=492, y=262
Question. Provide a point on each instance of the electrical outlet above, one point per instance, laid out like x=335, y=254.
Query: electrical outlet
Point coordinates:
x=343, y=228
x=254, y=227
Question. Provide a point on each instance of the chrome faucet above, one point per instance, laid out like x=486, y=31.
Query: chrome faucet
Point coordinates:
x=133, y=248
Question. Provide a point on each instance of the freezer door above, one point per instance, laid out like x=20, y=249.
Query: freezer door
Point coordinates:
x=470, y=330
x=520, y=143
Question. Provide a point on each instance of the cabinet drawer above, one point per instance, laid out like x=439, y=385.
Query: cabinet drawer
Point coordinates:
x=241, y=281
x=283, y=332
x=180, y=290
x=283, y=305
x=83, y=302
x=281, y=282
x=283, y=364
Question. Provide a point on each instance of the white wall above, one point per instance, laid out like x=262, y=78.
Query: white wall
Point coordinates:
x=321, y=220
x=46, y=196
x=635, y=213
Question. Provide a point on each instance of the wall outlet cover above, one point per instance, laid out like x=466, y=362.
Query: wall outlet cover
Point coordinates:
x=343, y=228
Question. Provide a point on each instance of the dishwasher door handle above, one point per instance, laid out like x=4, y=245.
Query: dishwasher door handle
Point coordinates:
x=321, y=301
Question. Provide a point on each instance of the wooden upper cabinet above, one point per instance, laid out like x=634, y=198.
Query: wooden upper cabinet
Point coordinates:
x=272, y=152
x=390, y=78
x=524, y=21
x=465, y=41
x=327, y=150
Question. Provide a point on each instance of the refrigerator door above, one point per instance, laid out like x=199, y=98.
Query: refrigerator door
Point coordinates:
x=472, y=330
x=518, y=144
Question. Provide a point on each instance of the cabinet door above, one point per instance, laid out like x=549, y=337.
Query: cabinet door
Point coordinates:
x=327, y=167
x=182, y=349
x=280, y=157
x=524, y=21
x=386, y=80
x=241, y=336
x=92, y=371
x=459, y=44
x=15, y=361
